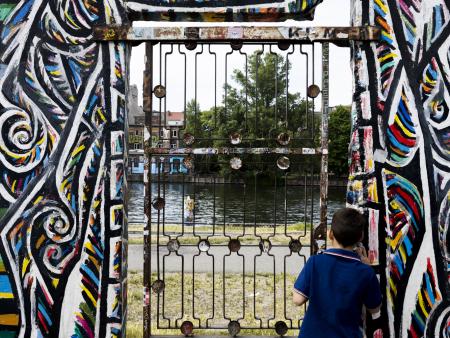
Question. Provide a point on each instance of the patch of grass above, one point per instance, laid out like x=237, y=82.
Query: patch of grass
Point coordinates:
x=253, y=307
x=220, y=235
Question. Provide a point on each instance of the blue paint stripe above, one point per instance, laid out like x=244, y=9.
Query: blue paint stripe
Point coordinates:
x=408, y=245
x=397, y=144
x=90, y=274
x=5, y=285
x=44, y=313
x=429, y=289
x=399, y=263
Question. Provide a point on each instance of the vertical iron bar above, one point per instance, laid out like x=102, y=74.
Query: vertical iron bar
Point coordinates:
x=321, y=230
x=305, y=125
x=161, y=125
x=196, y=119
x=275, y=66
x=313, y=61
x=166, y=120
x=215, y=85
x=184, y=88
x=147, y=100
x=246, y=93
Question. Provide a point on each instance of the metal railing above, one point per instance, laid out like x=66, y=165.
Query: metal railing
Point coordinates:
x=226, y=263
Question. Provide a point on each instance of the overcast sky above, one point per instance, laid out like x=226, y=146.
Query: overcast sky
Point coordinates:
x=329, y=13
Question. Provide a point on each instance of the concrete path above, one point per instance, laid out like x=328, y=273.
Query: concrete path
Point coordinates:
x=219, y=257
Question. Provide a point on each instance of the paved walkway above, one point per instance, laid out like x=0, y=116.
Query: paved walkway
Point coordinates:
x=233, y=263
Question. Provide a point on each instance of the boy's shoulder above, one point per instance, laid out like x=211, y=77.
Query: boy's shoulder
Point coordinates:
x=331, y=255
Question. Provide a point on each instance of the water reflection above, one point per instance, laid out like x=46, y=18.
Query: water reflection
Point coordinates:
x=234, y=203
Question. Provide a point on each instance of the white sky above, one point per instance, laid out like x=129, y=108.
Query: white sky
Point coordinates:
x=329, y=13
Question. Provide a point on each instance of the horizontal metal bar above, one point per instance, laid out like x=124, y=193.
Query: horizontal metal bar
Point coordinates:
x=240, y=33
x=232, y=151
x=259, y=328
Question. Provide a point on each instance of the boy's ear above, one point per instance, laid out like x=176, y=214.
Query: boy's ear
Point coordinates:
x=330, y=235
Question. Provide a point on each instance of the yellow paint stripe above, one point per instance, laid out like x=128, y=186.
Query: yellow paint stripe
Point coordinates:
x=393, y=288
x=403, y=254
x=89, y=294
x=400, y=124
x=9, y=319
x=429, y=80
x=76, y=151
x=26, y=262
x=99, y=112
x=37, y=200
x=64, y=183
x=387, y=56
x=39, y=241
x=71, y=20
x=395, y=241
x=382, y=5
x=422, y=305
x=387, y=35
x=6, y=295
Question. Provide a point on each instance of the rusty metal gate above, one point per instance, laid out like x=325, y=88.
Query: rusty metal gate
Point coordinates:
x=232, y=188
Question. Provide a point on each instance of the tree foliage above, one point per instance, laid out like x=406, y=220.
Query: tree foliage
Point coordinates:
x=258, y=105
x=339, y=136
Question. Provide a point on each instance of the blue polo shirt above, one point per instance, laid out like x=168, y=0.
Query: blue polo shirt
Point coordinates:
x=337, y=285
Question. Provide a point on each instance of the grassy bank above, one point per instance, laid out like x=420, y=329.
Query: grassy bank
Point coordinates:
x=220, y=234
x=239, y=297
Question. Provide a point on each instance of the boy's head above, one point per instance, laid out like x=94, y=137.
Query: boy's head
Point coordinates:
x=347, y=226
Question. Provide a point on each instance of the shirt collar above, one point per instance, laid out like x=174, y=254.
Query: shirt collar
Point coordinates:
x=342, y=253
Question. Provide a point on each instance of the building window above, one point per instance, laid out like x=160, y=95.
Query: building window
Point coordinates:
x=137, y=132
x=161, y=133
x=173, y=145
x=174, y=133
x=176, y=165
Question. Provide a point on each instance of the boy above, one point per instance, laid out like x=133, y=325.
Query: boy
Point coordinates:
x=337, y=283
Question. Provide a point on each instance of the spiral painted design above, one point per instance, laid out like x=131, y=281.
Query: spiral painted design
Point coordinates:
x=57, y=225
x=26, y=142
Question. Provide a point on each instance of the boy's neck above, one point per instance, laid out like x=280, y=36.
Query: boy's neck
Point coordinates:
x=336, y=245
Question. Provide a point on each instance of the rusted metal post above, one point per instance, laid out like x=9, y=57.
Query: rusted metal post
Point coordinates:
x=147, y=88
x=320, y=232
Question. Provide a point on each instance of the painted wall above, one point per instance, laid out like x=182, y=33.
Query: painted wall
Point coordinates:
x=222, y=10
x=62, y=183
x=400, y=159
x=62, y=159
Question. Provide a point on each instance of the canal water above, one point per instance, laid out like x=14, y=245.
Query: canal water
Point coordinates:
x=235, y=204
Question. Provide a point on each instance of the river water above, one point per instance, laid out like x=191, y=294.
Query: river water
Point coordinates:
x=235, y=203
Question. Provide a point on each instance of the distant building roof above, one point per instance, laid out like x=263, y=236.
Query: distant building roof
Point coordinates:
x=175, y=119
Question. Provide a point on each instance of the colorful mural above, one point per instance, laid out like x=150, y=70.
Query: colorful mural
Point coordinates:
x=62, y=176
x=222, y=10
x=62, y=112
x=62, y=161
x=402, y=94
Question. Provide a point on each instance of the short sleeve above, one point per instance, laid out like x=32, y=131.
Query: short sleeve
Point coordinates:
x=303, y=283
x=372, y=298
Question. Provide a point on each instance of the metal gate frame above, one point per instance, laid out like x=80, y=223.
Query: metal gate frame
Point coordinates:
x=341, y=36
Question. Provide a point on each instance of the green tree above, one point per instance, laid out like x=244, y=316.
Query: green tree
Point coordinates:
x=339, y=136
x=258, y=105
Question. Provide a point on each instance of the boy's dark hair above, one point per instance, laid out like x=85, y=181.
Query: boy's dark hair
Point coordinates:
x=348, y=226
